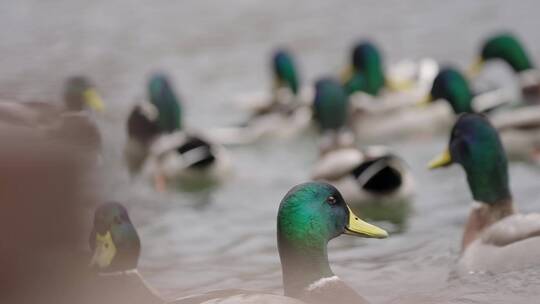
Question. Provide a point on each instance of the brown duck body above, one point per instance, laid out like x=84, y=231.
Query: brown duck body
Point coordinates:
x=74, y=128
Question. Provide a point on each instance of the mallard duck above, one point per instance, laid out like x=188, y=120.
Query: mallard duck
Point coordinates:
x=116, y=248
x=307, y=276
x=70, y=122
x=496, y=238
x=509, y=49
x=383, y=103
x=519, y=127
x=366, y=74
x=149, y=120
x=283, y=113
x=368, y=175
x=159, y=145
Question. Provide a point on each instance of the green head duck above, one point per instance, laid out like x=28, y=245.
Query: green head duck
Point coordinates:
x=79, y=94
x=284, y=69
x=367, y=61
x=453, y=87
x=309, y=216
x=114, y=240
x=475, y=145
x=330, y=105
x=163, y=97
x=504, y=47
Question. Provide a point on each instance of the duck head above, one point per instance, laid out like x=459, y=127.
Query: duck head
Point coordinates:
x=162, y=96
x=284, y=70
x=453, y=87
x=475, y=145
x=504, y=47
x=331, y=104
x=79, y=94
x=309, y=216
x=367, y=61
x=114, y=240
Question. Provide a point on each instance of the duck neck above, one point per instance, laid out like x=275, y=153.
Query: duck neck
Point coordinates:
x=302, y=265
x=487, y=176
x=375, y=79
x=482, y=216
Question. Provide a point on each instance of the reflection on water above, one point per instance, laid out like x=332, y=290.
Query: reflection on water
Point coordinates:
x=214, y=51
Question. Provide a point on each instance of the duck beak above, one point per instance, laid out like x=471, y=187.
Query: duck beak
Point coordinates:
x=346, y=74
x=93, y=100
x=399, y=85
x=104, y=252
x=358, y=227
x=425, y=101
x=443, y=160
x=475, y=68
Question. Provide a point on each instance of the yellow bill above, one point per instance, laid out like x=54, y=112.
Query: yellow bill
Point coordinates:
x=475, y=67
x=104, y=252
x=425, y=101
x=399, y=85
x=360, y=228
x=93, y=100
x=346, y=74
x=444, y=159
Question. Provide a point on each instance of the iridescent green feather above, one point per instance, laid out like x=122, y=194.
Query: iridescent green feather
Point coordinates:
x=508, y=48
x=452, y=86
x=162, y=96
x=285, y=71
x=330, y=105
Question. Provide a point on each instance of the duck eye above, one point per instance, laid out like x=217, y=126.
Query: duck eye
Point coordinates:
x=331, y=200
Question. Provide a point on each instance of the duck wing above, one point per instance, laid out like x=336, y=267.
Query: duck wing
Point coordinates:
x=336, y=164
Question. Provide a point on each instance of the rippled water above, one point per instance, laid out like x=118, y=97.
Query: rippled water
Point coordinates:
x=214, y=50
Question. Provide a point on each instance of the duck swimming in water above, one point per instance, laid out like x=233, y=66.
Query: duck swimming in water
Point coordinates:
x=72, y=122
x=519, y=127
x=507, y=48
x=283, y=113
x=367, y=175
x=496, y=238
x=382, y=101
x=161, y=147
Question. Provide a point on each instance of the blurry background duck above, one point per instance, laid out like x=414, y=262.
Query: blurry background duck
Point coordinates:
x=519, y=126
x=307, y=275
x=72, y=122
x=160, y=146
x=507, y=48
x=398, y=86
x=383, y=100
x=283, y=112
x=496, y=237
x=376, y=183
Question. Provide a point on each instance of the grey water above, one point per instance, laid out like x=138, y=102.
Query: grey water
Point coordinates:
x=216, y=49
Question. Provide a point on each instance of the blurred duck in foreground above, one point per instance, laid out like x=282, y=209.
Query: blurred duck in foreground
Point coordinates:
x=507, y=48
x=116, y=249
x=307, y=276
x=371, y=175
x=160, y=146
x=70, y=122
x=519, y=127
x=496, y=237
x=283, y=113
